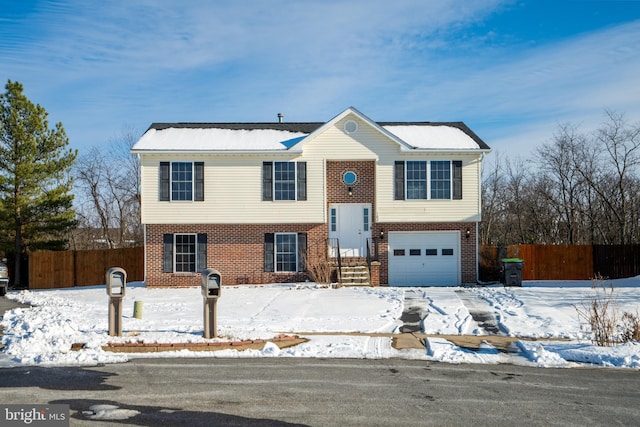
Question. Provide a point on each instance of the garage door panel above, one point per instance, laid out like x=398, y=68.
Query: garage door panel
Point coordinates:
x=424, y=259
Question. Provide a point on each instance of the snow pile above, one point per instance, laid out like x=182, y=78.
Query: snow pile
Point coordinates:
x=338, y=323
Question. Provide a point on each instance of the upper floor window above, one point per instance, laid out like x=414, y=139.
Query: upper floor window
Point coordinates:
x=416, y=180
x=284, y=181
x=440, y=180
x=421, y=180
x=181, y=181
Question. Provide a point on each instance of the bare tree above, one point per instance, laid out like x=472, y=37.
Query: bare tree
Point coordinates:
x=492, y=198
x=609, y=164
x=109, y=196
x=580, y=188
x=566, y=185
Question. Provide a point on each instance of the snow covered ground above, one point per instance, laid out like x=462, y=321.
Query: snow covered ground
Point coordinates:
x=44, y=333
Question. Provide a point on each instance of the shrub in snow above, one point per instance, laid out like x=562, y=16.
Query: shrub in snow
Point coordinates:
x=608, y=326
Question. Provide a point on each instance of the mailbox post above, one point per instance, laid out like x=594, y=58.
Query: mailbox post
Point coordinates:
x=211, y=290
x=116, y=281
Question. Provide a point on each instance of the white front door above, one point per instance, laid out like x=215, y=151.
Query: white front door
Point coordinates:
x=350, y=227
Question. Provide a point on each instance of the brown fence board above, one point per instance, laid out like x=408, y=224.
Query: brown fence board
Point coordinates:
x=555, y=262
x=565, y=262
x=62, y=269
x=49, y=270
x=615, y=261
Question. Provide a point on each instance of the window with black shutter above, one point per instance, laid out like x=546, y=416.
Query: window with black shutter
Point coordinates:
x=198, y=168
x=165, y=181
x=269, y=240
x=167, y=253
x=284, y=181
x=399, y=181
x=183, y=181
x=443, y=180
x=457, y=179
x=184, y=253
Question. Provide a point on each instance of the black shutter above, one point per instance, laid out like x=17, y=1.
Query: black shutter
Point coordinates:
x=302, y=180
x=167, y=253
x=199, y=181
x=164, y=181
x=302, y=251
x=399, y=181
x=457, y=179
x=267, y=181
x=202, y=252
x=269, y=248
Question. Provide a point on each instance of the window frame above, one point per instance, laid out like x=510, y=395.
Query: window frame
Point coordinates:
x=176, y=254
x=269, y=181
x=167, y=181
x=403, y=179
x=173, y=181
x=169, y=252
x=293, y=180
x=294, y=252
x=432, y=181
x=407, y=181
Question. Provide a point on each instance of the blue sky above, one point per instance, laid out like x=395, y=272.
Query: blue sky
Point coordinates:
x=511, y=70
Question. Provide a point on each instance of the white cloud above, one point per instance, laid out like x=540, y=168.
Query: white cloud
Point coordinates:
x=94, y=65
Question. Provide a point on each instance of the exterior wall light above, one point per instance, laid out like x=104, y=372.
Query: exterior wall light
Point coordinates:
x=350, y=191
x=468, y=233
x=381, y=234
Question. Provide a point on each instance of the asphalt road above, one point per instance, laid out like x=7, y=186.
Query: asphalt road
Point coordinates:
x=7, y=304
x=283, y=391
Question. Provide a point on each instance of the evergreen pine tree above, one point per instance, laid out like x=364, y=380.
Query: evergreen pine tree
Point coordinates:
x=36, y=204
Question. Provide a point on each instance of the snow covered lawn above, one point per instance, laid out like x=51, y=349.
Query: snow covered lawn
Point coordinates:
x=44, y=334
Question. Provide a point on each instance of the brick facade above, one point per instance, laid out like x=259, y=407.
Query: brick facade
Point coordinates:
x=237, y=250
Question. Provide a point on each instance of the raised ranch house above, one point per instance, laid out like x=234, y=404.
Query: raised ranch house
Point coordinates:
x=263, y=202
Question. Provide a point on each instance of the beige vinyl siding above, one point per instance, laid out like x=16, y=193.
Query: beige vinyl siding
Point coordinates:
x=233, y=194
x=233, y=184
x=465, y=210
x=335, y=144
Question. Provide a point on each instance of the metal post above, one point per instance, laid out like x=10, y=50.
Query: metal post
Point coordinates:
x=210, y=326
x=115, y=316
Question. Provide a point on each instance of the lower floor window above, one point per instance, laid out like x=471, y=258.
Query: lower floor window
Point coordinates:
x=286, y=252
x=185, y=253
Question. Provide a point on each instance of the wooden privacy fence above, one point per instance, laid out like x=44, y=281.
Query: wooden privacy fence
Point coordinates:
x=563, y=262
x=66, y=269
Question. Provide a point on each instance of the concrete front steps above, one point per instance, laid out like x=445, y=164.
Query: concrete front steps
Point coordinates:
x=355, y=273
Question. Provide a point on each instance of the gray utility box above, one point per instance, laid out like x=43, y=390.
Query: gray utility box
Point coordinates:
x=211, y=284
x=512, y=271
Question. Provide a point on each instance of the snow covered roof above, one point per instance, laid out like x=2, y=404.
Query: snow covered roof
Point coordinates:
x=284, y=136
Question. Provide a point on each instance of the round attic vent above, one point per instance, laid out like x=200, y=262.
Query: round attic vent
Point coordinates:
x=350, y=126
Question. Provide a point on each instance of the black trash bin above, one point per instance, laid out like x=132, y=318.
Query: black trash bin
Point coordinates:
x=512, y=271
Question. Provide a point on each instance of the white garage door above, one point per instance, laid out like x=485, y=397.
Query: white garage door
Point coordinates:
x=426, y=258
